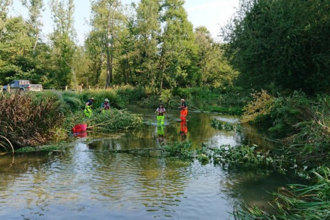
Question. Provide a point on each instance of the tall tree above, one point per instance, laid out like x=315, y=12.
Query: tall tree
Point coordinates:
x=15, y=44
x=4, y=4
x=147, y=39
x=63, y=42
x=107, y=23
x=282, y=45
x=94, y=51
x=178, y=50
x=35, y=8
x=214, y=68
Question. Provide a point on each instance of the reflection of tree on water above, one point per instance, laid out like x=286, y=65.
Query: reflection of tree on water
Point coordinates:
x=162, y=183
x=183, y=130
x=252, y=188
x=129, y=182
x=259, y=137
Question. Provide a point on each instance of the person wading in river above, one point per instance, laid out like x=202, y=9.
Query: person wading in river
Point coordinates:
x=183, y=110
x=88, y=107
x=160, y=111
x=105, y=105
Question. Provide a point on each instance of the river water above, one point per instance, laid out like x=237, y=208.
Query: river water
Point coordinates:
x=88, y=181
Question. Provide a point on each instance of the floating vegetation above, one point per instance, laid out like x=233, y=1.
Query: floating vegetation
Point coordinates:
x=47, y=148
x=226, y=110
x=115, y=119
x=179, y=149
x=249, y=156
x=220, y=125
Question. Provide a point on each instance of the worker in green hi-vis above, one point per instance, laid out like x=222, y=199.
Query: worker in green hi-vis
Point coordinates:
x=88, y=107
x=160, y=111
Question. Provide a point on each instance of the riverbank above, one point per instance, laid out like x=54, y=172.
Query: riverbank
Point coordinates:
x=301, y=125
x=34, y=119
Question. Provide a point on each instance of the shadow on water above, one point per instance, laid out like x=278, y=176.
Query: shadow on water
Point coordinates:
x=88, y=181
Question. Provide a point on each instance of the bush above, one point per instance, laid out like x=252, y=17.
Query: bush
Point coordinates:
x=26, y=120
x=259, y=109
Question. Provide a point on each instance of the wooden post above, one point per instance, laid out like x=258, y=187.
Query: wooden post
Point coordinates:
x=66, y=88
x=8, y=88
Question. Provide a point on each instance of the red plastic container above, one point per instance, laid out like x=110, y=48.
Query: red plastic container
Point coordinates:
x=79, y=128
x=83, y=127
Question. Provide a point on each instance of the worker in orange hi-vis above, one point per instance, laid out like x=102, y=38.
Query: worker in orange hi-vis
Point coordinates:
x=184, y=110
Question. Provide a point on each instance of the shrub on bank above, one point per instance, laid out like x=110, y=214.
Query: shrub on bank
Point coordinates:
x=215, y=100
x=204, y=99
x=27, y=120
x=301, y=123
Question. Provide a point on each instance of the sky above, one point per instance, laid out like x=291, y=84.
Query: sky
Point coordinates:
x=212, y=14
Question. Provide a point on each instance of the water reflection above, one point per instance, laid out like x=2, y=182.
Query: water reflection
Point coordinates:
x=183, y=130
x=80, y=134
x=160, y=134
x=253, y=136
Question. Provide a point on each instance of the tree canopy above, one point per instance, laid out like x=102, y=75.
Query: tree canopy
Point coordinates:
x=281, y=44
x=151, y=44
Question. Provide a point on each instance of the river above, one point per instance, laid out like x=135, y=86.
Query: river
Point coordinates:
x=88, y=181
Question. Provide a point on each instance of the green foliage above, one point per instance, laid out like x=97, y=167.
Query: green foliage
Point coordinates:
x=46, y=148
x=178, y=52
x=130, y=94
x=114, y=120
x=150, y=102
x=105, y=39
x=301, y=123
x=250, y=157
x=14, y=43
x=200, y=98
x=63, y=42
x=179, y=149
x=166, y=97
x=73, y=102
x=214, y=69
x=218, y=100
x=274, y=48
x=226, y=110
x=258, y=109
x=145, y=34
x=287, y=112
x=99, y=96
x=203, y=159
x=220, y=125
x=153, y=47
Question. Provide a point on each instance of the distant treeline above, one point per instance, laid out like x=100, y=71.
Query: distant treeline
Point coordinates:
x=150, y=44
